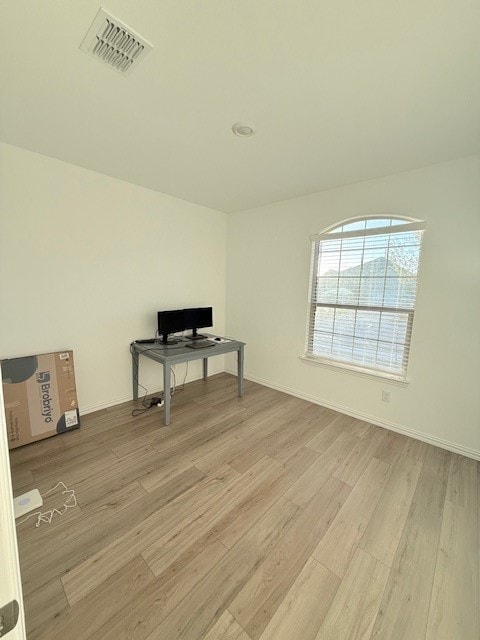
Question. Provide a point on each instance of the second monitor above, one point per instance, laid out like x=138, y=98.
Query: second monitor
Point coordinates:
x=198, y=318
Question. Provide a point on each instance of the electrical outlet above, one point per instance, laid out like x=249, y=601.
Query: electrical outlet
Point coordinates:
x=386, y=396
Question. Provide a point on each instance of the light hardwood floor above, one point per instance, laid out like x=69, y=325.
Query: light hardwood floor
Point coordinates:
x=260, y=518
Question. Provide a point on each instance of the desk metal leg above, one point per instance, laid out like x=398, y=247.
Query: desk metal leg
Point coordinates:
x=240, y=371
x=135, y=375
x=205, y=368
x=166, y=394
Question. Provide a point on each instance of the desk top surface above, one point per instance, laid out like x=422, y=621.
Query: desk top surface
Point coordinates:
x=181, y=352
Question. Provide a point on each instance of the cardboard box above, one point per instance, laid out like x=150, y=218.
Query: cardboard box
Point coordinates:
x=40, y=397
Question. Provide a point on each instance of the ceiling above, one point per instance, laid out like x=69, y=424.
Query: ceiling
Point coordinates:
x=340, y=91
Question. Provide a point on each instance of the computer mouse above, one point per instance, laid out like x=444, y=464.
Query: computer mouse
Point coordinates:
x=217, y=339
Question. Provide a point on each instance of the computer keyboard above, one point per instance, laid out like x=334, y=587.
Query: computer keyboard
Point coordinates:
x=199, y=344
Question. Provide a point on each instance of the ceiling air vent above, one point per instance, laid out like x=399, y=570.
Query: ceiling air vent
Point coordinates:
x=115, y=44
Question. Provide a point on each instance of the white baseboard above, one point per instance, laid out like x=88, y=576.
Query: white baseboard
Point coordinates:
x=386, y=424
x=112, y=402
x=84, y=410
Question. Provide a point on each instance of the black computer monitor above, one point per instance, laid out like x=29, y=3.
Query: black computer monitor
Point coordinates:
x=170, y=322
x=198, y=318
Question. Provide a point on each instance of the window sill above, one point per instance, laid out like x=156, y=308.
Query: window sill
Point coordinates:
x=357, y=371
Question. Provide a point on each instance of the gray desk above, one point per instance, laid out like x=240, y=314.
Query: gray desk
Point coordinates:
x=168, y=355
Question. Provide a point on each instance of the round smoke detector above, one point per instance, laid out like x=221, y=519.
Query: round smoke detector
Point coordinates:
x=243, y=129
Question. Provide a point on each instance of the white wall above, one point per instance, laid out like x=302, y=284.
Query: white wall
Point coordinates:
x=267, y=284
x=86, y=262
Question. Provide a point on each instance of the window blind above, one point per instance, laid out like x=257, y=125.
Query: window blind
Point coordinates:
x=362, y=293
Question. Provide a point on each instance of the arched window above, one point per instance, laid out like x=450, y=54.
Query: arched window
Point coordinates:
x=362, y=293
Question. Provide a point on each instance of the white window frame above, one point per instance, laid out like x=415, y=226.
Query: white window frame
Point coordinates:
x=331, y=233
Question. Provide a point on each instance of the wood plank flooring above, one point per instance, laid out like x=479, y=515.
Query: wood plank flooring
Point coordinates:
x=257, y=518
